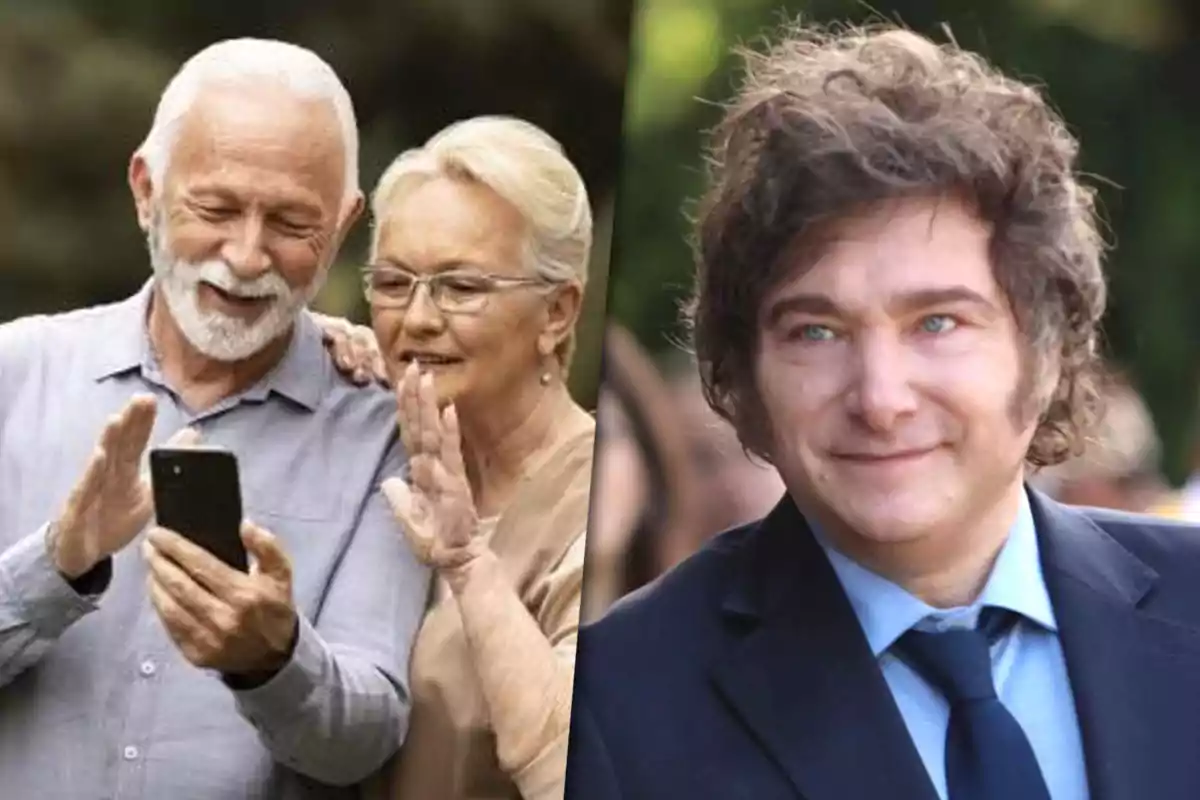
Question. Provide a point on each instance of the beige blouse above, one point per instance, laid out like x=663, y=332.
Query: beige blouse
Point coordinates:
x=450, y=752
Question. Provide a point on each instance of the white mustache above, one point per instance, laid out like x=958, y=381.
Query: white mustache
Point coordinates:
x=217, y=273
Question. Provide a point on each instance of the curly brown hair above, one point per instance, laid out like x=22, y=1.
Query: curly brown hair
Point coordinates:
x=831, y=121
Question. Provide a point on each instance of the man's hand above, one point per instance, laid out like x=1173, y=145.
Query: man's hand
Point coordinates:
x=220, y=618
x=112, y=502
x=353, y=348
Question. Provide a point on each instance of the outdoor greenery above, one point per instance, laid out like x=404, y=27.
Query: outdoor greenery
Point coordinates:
x=79, y=81
x=1124, y=74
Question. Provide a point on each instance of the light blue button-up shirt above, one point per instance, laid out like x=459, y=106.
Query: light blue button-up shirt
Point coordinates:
x=1027, y=663
x=96, y=702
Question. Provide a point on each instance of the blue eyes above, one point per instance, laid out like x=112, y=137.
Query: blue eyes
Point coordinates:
x=937, y=323
x=814, y=333
x=933, y=324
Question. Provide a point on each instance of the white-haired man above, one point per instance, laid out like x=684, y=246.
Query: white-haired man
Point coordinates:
x=132, y=663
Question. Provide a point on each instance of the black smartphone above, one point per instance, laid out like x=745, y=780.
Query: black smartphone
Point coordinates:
x=197, y=494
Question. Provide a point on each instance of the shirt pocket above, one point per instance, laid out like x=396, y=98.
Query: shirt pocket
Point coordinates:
x=295, y=499
x=294, y=487
x=314, y=547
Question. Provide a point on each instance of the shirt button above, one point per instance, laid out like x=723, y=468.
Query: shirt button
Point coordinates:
x=130, y=753
x=148, y=668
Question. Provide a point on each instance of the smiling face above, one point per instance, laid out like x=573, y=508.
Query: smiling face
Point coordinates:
x=892, y=375
x=482, y=356
x=247, y=222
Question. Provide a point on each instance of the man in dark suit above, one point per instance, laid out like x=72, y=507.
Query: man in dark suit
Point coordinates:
x=897, y=305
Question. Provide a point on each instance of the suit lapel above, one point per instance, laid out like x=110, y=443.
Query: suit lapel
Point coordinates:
x=1135, y=677
x=801, y=676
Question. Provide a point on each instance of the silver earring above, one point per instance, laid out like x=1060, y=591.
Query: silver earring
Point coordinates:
x=546, y=378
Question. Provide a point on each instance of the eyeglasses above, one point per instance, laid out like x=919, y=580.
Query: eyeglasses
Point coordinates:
x=454, y=292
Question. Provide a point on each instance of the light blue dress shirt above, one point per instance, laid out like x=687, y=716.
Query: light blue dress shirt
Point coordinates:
x=96, y=701
x=1027, y=663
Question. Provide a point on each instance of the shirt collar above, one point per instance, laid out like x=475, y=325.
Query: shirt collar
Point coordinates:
x=124, y=345
x=299, y=376
x=886, y=611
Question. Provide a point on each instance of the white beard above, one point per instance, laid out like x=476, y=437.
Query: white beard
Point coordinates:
x=213, y=334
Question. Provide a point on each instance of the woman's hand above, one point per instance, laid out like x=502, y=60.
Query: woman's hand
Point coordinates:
x=526, y=682
x=434, y=506
x=353, y=348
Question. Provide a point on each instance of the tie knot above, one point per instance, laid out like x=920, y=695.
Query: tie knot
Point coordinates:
x=957, y=663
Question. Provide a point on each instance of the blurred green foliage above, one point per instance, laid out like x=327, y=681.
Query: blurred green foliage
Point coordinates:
x=1124, y=74
x=79, y=81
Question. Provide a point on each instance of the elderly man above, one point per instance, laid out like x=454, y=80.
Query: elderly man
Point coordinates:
x=133, y=663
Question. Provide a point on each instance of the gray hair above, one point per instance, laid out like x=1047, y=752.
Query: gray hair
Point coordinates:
x=244, y=60
x=526, y=167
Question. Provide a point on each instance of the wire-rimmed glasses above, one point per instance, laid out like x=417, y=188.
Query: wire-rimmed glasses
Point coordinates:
x=458, y=291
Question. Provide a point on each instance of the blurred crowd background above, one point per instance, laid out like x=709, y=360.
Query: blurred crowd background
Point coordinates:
x=1124, y=74
x=79, y=81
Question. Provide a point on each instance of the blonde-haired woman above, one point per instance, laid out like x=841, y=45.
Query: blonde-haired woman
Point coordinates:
x=479, y=255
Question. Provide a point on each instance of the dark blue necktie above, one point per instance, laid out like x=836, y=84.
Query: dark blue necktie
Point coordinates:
x=987, y=754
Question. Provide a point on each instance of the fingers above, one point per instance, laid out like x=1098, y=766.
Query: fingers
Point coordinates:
x=190, y=635
x=452, y=456
x=128, y=434
x=119, y=452
x=217, y=577
x=326, y=324
x=379, y=368
x=430, y=424
x=400, y=498
x=269, y=557
x=182, y=589
x=448, y=486
x=87, y=488
x=353, y=357
x=422, y=475
x=335, y=331
x=395, y=491
x=409, y=499
x=112, y=435
x=432, y=482
x=406, y=409
x=347, y=346
x=407, y=512
x=367, y=358
x=184, y=437
x=93, y=476
x=339, y=349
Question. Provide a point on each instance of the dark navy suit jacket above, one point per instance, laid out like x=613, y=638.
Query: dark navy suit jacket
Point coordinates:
x=744, y=673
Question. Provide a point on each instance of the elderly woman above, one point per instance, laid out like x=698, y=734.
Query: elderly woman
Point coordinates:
x=479, y=258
